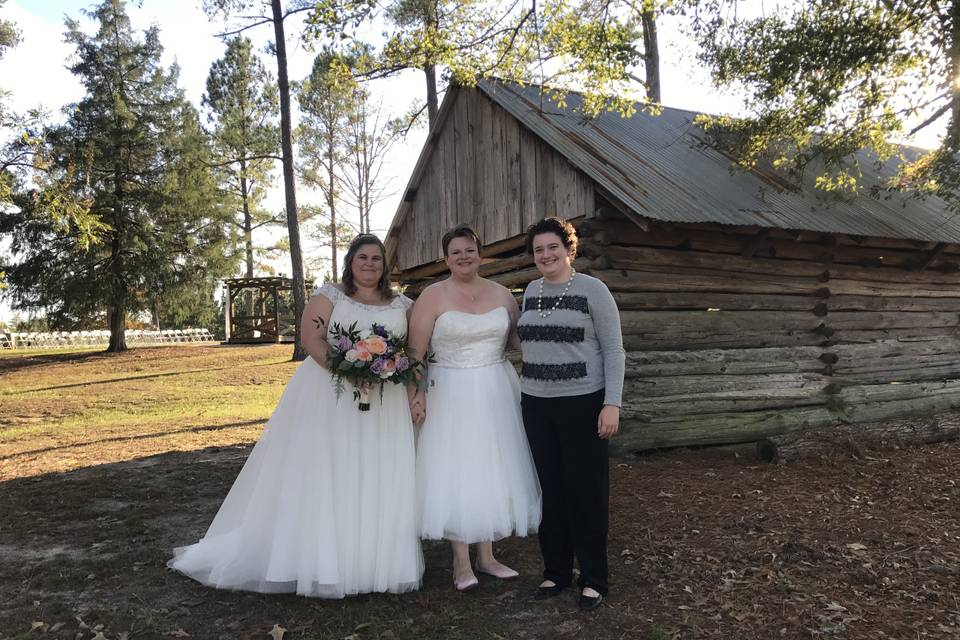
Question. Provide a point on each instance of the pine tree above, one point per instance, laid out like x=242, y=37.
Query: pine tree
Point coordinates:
x=242, y=104
x=132, y=150
x=272, y=12
x=326, y=102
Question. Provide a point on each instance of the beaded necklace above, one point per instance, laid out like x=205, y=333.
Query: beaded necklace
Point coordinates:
x=546, y=314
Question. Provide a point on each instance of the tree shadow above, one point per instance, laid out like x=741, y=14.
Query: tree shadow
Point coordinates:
x=92, y=544
x=146, y=376
x=25, y=361
x=141, y=436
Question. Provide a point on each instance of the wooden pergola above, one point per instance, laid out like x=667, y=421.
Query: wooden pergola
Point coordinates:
x=260, y=310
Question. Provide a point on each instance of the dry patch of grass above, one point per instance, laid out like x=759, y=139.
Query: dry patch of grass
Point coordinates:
x=63, y=411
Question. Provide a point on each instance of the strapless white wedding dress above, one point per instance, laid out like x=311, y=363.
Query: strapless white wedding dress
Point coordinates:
x=325, y=504
x=475, y=475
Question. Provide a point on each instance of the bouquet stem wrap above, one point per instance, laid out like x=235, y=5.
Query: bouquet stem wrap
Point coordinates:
x=364, y=401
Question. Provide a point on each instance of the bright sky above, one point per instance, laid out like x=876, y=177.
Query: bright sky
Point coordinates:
x=35, y=73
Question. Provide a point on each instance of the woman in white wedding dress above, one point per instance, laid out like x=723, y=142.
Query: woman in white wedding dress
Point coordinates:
x=325, y=504
x=476, y=481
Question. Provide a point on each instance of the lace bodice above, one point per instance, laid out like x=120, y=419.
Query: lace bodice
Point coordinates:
x=463, y=340
x=346, y=311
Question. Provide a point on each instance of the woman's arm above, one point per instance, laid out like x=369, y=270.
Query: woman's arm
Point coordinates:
x=313, y=328
x=423, y=315
x=606, y=325
x=513, y=340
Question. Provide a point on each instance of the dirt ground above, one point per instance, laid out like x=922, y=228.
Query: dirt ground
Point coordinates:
x=107, y=462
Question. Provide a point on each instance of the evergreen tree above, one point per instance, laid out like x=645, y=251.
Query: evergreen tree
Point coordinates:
x=242, y=105
x=133, y=152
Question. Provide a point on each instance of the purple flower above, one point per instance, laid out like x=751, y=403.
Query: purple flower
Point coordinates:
x=376, y=366
x=344, y=343
x=379, y=330
x=403, y=363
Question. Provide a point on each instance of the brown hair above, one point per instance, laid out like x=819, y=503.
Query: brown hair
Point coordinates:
x=362, y=240
x=563, y=229
x=459, y=231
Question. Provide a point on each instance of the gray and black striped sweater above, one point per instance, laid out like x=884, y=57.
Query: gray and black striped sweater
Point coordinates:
x=578, y=349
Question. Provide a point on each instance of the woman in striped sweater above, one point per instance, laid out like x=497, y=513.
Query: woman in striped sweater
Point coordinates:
x=571, y=382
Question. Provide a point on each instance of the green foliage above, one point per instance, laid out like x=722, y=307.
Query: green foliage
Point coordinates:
x=588, y=45
x=242, y=107
x=133, y=153
x=826, y=78
x=9, y=36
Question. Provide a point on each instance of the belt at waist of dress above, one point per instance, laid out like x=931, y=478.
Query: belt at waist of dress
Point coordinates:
x=472, y=365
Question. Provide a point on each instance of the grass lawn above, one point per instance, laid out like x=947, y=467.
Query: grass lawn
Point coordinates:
x=109, y=461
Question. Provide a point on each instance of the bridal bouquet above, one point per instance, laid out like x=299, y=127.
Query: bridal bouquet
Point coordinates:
x=370, y=357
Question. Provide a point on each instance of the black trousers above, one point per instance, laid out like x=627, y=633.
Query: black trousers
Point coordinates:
x=572, y=462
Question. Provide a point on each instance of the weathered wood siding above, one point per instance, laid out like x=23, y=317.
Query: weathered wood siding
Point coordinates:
x=486, y=169
x=734, y=333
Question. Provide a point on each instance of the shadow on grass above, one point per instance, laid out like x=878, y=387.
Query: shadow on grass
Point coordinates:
x=25, y=360
x=92, y=545
x=146, y=376
x=141, y=436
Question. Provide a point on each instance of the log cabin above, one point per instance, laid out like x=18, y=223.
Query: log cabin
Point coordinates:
x=750, y=306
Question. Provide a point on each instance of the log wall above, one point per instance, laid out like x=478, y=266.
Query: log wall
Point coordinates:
x=738, y=333
x=735, y=334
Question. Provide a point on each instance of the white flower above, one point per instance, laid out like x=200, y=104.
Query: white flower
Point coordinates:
x=351, y=356
x=386, y=374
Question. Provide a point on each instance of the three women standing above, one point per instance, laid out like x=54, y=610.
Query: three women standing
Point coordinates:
x=572, y=380
x=328, y=505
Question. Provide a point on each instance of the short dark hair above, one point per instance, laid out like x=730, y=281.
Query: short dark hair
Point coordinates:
x=459, y=231
x=362, y=240
x=563, y=229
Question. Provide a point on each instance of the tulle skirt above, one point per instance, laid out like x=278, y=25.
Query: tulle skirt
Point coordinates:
x=325, y=504
x=475, y=475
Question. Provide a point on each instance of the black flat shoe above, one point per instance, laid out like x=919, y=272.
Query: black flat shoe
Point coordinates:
x=543, y=593
x=588, y=603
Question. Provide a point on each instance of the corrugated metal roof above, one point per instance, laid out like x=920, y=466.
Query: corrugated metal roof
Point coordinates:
x=658, y=166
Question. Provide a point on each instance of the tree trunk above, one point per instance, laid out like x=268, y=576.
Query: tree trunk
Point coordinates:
x=116, y=310
x=116, y=313
x=952, y=141
x=332, y=206
x=286, y=143
x=651, y=54
x=247, y=219
x=431, y=73
x=118, y=337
